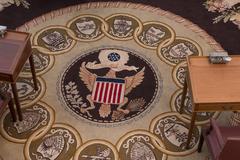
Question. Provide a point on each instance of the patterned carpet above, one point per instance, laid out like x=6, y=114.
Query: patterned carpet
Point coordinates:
x=110, y=78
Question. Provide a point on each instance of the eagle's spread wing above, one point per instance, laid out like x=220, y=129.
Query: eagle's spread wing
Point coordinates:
x=134, y=81
x=87, y=77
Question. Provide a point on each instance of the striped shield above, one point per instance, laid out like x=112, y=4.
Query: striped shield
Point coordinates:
x=108, y=90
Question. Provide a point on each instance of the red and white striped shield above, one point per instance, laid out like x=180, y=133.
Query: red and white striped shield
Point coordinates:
x=108, y=90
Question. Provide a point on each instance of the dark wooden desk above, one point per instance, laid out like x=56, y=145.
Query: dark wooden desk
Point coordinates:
x=213, y=87
x=15, y=49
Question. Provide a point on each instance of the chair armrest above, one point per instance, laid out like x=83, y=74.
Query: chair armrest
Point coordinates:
x=216, y=129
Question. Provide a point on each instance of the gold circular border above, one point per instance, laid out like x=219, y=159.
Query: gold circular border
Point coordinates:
x=43, y=129
x=86, y=15
x=44, y=50
x=139, y=30
x=188, y=117
x=26, y=103
x=162, y=115
x=50, y=66
x=174, y=73
x=90, y=142
x=137, y=6
x=106, y=27
x=36, y=135
x=144, y=132
x=161, y=45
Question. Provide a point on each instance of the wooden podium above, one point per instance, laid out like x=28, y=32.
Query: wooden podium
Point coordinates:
x=15, y=49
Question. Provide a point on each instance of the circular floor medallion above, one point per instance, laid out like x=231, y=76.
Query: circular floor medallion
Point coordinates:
x=179, y=72
x=177, y=51
x=121, y=26
x=42, y=64
x=26, y=92
x=201, y=118
x=109, y=85
x=154, y=33
x=59, y=143
x=140, y=144
x=172, y=130
x=34, y=118
x=87, y=27
x=96, y=149
x=54, y=40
